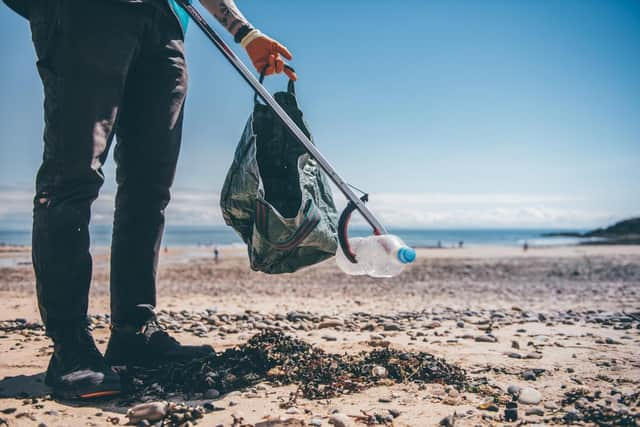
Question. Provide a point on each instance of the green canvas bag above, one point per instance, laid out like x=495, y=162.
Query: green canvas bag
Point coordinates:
x=275, y=195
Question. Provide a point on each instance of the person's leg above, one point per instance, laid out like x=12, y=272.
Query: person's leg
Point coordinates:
x=148, y=141
x=84, y=50
x=148, y=135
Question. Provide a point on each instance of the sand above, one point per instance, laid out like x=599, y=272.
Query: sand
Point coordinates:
x=571, y=312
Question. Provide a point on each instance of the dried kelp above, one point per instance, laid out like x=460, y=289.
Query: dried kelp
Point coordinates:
x=283, y=360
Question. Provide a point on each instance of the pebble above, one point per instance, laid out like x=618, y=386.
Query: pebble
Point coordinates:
x=340, y=420
x=529, y=376
x=333, y=323
x=385, y=400
x=395, y=413
x=212, y=393
x=379, y=371
x=329, y=338
x=486, y=338
x=529, y=396
x=534, y=411
x=153, y=411
x=316, y=422
x=513, y=389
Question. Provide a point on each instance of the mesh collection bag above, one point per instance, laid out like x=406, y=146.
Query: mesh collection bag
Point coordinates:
x=275, y=195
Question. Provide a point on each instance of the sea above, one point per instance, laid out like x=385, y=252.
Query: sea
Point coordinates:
x=218, y=235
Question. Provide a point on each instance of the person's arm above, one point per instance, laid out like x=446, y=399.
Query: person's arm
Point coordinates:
x=263, y=50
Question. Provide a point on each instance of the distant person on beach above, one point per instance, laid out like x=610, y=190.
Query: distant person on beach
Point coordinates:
x=460, y=243
x=112, y=67
x=216, y=255
x=525, y=247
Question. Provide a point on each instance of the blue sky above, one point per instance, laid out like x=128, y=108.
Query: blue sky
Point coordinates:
x=450, y=113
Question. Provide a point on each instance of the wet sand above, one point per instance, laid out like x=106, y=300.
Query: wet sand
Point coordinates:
x=563, y=321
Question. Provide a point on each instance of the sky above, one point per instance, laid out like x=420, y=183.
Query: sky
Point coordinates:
x=451, y=113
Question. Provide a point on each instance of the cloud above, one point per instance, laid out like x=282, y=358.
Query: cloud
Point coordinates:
x=429, y=210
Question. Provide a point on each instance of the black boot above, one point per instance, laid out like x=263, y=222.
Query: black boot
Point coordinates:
x=145, y=343
x=77, y=370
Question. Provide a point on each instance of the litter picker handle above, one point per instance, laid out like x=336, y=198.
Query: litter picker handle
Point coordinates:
x=290, y=124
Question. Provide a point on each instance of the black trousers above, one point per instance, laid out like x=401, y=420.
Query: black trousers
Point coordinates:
x=107, y=68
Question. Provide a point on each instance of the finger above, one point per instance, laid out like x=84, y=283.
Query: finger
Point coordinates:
x=291, y=74
x=272, y=65
x=283, y=51
x=279, y=64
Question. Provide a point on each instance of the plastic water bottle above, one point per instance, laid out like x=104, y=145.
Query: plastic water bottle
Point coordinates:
x=377, y=256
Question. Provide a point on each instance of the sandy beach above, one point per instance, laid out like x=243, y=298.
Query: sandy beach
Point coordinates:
x=561, y=324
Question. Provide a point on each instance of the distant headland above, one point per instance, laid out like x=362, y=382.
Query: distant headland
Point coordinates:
x=625, y=232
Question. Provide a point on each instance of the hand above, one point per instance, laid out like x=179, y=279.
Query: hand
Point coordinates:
x=265, y=52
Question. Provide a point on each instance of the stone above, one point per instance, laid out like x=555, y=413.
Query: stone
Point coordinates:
x=340, y=420
x=212, y=393
x=379, y=372
x=486, y=338
x=316, y=422
x=152, y=411
x=395, y=413
x=529, y=396
x=329, y=338
x=534, y=411
x=529, y=376
x=332, y=323
x=513, y=389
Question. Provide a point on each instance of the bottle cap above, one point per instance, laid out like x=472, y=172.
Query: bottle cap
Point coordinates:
x=406, y=255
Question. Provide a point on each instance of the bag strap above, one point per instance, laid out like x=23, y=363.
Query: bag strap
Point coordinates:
x=308, y=224
x=291, y=89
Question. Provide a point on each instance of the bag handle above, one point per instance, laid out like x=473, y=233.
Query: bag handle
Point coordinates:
x=308, y=224
x=291, y=89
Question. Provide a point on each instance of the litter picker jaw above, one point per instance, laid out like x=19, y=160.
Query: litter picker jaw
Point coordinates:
x=354, y=202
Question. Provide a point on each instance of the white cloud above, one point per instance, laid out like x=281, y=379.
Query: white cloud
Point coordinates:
x=430, y=210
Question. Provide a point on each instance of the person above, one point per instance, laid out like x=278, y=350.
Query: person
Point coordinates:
x=216, y=254
x=112, y=67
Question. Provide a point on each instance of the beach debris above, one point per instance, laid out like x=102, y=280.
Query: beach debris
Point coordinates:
x=282, y=359
x=529, y=396
x=153, y=411
x=511, y=412
x=340, y=420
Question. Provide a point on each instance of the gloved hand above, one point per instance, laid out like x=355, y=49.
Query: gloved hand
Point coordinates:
x=265, y=52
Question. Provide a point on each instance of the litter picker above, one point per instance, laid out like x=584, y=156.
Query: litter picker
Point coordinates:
x=355, y=202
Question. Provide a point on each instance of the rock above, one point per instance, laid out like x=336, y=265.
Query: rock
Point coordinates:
x=534, y=411
x=533, y=356
x=612, y=341
x=340, y=420
x=212, y=393
x=153, y=411
x=277, y=421
x=292, y=411
x=332, y=323
x=486, y=338
x=391, y=327
x=395, y=413
x=513, y=389
x=316, y=422
x=514, y=355
x=460, y=324
x=385, y=400
x=515, y=345
x=329, y=338
x=529, y=396
x=529, y=376
x=449, y=421
x=550, y=406
x=379, y=372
